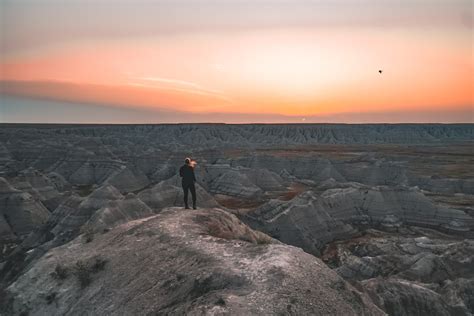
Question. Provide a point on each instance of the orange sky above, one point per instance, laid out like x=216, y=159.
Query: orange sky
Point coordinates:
x=287, y=69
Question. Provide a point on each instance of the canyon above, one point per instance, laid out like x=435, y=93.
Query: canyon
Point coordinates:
x=331, y=219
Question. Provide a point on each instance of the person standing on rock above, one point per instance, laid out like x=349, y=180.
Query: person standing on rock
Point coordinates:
x=186, y=172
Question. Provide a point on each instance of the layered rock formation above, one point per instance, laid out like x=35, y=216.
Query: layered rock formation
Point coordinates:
x=104, y=208
x=359, y=203
x=20, y=213
x=416, y=271
x=169, y=193
x=269, y=134
x=40, y=186
x=311, y=221
x=398, y=297
x=134, y=156
x=233, y=182
x=369, y=169
x=198, y=262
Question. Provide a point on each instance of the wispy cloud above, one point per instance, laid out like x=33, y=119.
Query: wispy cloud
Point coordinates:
x=178, y=82
x=180, y=86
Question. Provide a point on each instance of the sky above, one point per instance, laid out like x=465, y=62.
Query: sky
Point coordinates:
x=236, y=61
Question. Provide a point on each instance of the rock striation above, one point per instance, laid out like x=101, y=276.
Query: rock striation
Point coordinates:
x=388, y=207
x=311, y=221
x=202, y=262
x=20, y=212
x=40, y=186
x=211, y=135
x=103, y=209
x=169, y=193
x=398, y=297
x=416, y=270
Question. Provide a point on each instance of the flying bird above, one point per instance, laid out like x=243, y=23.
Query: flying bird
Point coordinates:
x=380, y=71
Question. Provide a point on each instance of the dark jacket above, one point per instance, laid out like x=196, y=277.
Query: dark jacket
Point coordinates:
x=187, y=173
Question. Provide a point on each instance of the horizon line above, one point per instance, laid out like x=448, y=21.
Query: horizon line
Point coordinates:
x=223, y=123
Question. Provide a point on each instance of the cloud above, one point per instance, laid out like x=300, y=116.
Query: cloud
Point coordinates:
x=137, y=96
x=17, y=109
x=181, y=85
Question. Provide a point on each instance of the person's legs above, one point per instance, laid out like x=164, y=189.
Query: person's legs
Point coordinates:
x=185, y=193
x=192, y=188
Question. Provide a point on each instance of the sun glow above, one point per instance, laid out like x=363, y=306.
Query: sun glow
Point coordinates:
x=297, y=72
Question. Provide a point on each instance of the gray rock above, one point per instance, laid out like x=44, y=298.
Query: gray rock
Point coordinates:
x=169, y=193
x=202, y=262
x=400, y=297
x=311, y=221
x=39, y=186
x=118, y=212
x=21, y=213
x=127, y=180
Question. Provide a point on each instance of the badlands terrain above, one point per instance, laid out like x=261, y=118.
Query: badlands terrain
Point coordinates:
x=320, y=219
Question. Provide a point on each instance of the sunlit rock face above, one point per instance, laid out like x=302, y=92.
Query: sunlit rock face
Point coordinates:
x=197, y=262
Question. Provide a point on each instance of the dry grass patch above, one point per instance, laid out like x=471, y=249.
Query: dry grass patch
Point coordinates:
x=85, y=270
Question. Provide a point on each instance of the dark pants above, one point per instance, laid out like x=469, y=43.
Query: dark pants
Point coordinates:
x=190, y=187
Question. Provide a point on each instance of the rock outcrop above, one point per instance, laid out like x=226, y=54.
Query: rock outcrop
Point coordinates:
x=183, y=262
x=169, y=193
x=103, y=209
x=117, y=212
x=236, y=183
x=229, y=135
x=20, y=213
x=134, y=156
x=239, y=182
x=39, y=186
x=414, y=271
x=311, y=221
x=128, y=179
x=398, y=297
x=389, y=208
